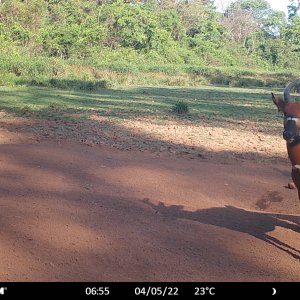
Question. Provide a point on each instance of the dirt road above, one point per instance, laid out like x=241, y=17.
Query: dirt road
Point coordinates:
x=70, y=212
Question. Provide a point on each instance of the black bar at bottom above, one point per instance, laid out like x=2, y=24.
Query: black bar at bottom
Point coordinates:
x=148, y=289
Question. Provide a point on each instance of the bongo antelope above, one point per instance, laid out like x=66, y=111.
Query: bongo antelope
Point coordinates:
x=291, y=132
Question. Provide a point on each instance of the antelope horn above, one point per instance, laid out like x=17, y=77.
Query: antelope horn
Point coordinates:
x=288, y=88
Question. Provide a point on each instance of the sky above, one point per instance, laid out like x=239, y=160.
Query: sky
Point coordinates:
x=276, y=4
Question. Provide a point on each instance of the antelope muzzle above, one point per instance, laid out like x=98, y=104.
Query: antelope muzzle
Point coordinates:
x=290, y=133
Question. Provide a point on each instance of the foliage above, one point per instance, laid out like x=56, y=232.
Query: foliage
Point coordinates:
x=292, y=34
x=180, y=108
x=51, y=39
x=293, y=8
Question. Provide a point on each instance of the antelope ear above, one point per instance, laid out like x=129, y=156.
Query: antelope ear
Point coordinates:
x=278, y=102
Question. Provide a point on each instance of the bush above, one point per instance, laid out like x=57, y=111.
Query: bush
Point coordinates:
x=85, y=85
x=180, y=108
x=247, y=82
x=220, y=80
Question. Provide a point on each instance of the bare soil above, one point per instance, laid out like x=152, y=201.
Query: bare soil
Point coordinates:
x=72, y=212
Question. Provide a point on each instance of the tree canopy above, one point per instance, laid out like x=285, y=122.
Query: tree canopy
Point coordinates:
x=248, y=33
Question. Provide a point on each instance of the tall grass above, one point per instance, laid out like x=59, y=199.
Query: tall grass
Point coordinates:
x=92, y=75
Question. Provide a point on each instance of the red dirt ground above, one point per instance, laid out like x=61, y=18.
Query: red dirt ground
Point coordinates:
x=70, y=212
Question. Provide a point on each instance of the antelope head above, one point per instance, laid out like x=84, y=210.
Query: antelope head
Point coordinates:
x=291, y=111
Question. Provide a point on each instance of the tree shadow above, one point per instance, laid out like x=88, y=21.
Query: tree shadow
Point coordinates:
x=113, y=133
x=216, y=105
x=116, y=227
x=220, y=107
x=237, y=219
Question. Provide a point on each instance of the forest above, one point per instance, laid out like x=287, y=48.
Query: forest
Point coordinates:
x=91, y=44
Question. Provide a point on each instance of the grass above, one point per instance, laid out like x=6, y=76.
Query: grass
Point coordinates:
x=217, y=105
x=234, y=122
x=180, y=108
x=91, y=75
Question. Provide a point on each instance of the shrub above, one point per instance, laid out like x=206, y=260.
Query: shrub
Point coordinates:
x=247, y=82
x=220, y=79
x=180, y=108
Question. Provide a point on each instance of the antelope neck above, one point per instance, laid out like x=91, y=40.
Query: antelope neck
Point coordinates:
x=291, y=119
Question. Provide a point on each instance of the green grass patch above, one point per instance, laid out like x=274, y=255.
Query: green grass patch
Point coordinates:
x=216, y=106
x=93, y=75
x=180, y=108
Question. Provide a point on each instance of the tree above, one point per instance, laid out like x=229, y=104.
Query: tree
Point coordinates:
x=274, y=23
x=292, y=33
x=293, y=8
x=200, y=18
x=258, y=8
x=240, y=26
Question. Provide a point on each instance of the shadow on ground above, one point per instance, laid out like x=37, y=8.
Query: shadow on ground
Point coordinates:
x=237, y=219
x=216, y=106
x=64, y=217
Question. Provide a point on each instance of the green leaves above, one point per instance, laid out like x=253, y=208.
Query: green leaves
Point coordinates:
x=251, y=34
x=292, y=32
